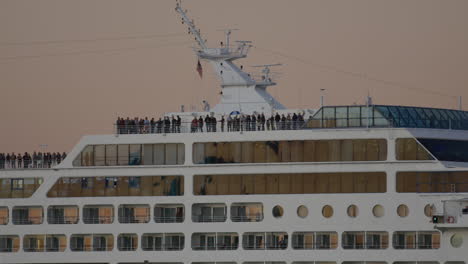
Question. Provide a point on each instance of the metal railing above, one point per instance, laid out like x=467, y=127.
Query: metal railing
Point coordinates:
x=28, y=220
x=247, y=218
x=9, y=249
x=33, y=164
x=62, y=220
x=98, y=220
x=208, y=218
x=198, y=246
x=190, y=127
x=164, y=247
x=169, y=219
x=44, y=249
x=91, y=248
x=134, y=219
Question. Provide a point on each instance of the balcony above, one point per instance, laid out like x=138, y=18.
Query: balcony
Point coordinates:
x=365, y=240
x=9, y=243
x=62, y=215
x=247, y=212
x=127, y=242
x=92, y=242
x=209, y=213
x=44, y=243
x=131, y=214
x=27, y=215
x=98, y=214
x=262, y=241
x=4, y=215
x=215, y=241
x=163, y=242
x=169, y=213
x=416, y=240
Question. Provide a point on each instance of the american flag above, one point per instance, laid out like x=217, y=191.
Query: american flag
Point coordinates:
x=199, y=69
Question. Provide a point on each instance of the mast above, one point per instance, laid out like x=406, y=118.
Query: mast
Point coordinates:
x=240, y=90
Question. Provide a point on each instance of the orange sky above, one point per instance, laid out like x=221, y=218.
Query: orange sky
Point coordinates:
x=57, y=86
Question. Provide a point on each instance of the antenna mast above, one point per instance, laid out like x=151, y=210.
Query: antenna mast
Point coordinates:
x=191, y=25
x=240, y=91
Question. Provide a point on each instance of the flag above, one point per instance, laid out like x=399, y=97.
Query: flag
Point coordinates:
x=199, y=69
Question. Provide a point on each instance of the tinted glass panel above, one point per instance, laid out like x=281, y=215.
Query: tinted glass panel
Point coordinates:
x=447, y=150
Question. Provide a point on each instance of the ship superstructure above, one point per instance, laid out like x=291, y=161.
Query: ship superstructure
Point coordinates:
x=347, y=185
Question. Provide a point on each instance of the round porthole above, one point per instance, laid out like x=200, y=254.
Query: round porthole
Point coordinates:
x=302, y=211
x=428, y=210
x=327, y=211
x=456, y=240
x=402, y=210
x=378, y=210
x=352, y=211
x=278, y=211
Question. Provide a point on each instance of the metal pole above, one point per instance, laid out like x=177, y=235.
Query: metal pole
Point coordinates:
x=321, y=97
x=460, y=103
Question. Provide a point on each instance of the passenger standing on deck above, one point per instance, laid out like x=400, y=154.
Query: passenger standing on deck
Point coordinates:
x=13, y=161
x=214, y=122
x=208, y=123
x=8, y=161
x=2, y=161
x=20, y=160
x=178, y=124
x=147, y=125
x=222, y=123
x=152, y=126
x=159, y=125
x=200, y=124
x=277, y=121
x=173, y=124
x=194, y=125
x=229, y=123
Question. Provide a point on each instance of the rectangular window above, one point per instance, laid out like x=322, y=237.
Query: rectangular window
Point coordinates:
x=290, y=151
x=17, y=184
x=432, y=182
x=134, y=155
x=364, y=182
x=118, y=186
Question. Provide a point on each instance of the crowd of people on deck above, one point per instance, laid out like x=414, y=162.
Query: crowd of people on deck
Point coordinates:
x=28, y=161
x=236, y=122
x=145, y=126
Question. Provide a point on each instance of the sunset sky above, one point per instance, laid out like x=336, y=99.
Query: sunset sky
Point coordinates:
x=69, y=68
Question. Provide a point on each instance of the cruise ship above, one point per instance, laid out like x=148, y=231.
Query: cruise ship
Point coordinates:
x=356, y=184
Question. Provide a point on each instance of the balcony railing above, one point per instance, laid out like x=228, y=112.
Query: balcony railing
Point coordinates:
x=247, y=218
x=62, y=220
x=98, y=220
x=169, y=219
x=133, y=219
x=189, y=127
x=32, y=220
x=91, y=248
x=208, y=218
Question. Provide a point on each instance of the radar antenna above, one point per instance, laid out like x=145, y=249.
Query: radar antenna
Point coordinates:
x=266, y=78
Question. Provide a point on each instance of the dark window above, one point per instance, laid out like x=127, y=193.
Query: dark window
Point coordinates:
x=447, y=150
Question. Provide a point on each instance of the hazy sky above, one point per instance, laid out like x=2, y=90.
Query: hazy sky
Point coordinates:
x=69, y=67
